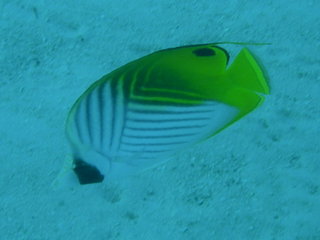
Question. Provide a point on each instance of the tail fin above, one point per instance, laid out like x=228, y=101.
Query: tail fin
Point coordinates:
x=246, y=73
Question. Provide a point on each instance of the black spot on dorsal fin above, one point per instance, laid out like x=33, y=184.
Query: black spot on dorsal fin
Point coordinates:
x=204, y=52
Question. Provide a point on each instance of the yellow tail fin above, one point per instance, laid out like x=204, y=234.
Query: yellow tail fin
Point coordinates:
x=246, y=72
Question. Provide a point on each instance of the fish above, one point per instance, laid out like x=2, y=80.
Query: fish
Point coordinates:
x=145, y=112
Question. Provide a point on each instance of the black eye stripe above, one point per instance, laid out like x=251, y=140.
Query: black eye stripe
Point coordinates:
x=204, y=52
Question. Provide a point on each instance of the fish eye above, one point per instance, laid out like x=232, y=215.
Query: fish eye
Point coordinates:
x=204, y=52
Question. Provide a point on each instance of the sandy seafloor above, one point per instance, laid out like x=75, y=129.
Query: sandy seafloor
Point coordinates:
x=259, y=179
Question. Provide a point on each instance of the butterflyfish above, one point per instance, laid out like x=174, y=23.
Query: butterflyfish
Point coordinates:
x=146, y=111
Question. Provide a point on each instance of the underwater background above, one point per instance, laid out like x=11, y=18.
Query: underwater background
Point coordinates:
x=258, y=179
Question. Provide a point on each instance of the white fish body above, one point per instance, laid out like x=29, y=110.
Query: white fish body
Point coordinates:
x=148, y=110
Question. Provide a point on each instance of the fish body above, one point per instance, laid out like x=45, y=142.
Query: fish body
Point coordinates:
x=146, y=111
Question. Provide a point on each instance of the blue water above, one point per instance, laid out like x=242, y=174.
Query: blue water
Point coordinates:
x=258, y=179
